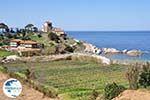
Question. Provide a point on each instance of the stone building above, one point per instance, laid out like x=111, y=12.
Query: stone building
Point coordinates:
x=47, y=27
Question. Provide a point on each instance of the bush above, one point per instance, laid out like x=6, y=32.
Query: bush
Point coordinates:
x=144, y=76
x=144, y=79
x=94, y=95
x=3, y=69
x=139, y=75
x=112, y=90
x=132, y=76
x=48, y=91
x=52, y=36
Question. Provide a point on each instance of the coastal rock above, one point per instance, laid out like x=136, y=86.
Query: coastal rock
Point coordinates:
x=89, y=48
x=110, y=50
x=105, y=60
x=125, y=51
x=89, y=57
x=98, y=51
x=12, y=57
x=134, y=52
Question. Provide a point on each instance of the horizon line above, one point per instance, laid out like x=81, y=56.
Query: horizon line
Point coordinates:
x=112, y=30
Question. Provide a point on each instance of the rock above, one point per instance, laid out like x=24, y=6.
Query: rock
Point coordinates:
x=12, y=57
x=110, y=50
x=125, y=51
x=89, y=57
x=105, y=60
x=98, y=51
x=89, y=48
x=134, y=52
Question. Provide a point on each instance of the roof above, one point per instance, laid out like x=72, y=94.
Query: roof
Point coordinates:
x=28, y=42
x=47, y=22
x=16, y=40
x=58, y=29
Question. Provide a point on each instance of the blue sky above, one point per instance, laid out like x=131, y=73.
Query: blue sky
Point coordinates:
x=78, y=14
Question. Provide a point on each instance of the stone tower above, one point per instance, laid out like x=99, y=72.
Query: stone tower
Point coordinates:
x=47, y=26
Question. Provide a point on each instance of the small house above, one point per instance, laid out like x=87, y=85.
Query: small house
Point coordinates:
x=58, y=31
x=26, y=47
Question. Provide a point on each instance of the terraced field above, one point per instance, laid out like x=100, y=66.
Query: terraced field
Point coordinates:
x=74, y=80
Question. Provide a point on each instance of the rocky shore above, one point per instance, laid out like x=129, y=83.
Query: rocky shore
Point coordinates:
x=89, y=48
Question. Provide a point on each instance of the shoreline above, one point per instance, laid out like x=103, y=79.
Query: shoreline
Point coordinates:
x=85, y=57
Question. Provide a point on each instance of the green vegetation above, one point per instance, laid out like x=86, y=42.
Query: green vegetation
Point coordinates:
x=74, y=80
x=139, y=75
x=132, y=76
x=112, y=90
x=4, y=53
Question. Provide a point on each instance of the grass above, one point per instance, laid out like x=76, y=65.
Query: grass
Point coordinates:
x=73, y=79
x=4, y=53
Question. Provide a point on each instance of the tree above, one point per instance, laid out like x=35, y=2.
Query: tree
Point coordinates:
x=29, y=28
x=35, y=29
x=3, y=27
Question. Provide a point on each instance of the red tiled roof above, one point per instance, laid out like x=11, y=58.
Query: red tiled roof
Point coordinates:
x=58, y=30
x=16, y=40
x=28, y=42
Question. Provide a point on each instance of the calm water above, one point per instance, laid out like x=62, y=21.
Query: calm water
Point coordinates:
x=118, y=40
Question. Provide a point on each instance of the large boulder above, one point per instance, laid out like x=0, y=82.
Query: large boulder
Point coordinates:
x=124, y=51
x=134, y=52
x=89, y=48
x=110, y=50
x=12, y=57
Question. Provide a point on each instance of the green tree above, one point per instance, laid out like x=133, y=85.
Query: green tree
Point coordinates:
x=3, y=27
x=29, y=28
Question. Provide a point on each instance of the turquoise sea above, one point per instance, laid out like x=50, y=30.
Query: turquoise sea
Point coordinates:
x=117, y=39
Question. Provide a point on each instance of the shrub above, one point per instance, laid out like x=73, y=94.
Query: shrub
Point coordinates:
x=94, y=95
x=144, y=76
x=52, y=36
x=144, y=79
x=112, y=90
x=48, y=91
x=39, y=35
x=132, y=76
x=3, y=69
x=138, y=75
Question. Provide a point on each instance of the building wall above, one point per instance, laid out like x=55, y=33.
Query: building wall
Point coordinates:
x=47, y=27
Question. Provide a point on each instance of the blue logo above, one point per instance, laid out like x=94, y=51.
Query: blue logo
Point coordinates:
x=12, y=88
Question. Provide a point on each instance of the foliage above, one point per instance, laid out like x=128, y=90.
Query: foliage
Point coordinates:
x=93, y=95
x=144, y=76
x=39, y=35
x=4, y=53
x=52, y=36
x=132, y=76
x=73, y=79
x=3, y=69
x=112, y=90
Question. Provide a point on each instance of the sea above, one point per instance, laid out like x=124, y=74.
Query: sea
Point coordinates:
x=117, y=39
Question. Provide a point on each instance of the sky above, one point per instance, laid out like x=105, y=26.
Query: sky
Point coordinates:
x=78, y=15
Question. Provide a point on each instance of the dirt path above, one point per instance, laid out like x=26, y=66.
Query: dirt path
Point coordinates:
x=28, y=93
x=134, y=95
